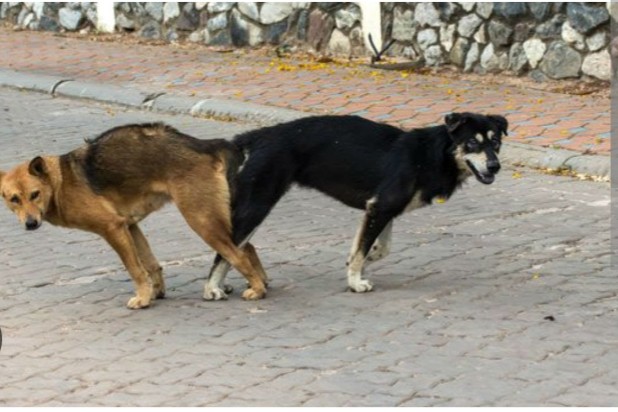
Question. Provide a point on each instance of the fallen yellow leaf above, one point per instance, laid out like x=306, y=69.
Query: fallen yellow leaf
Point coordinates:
x=516, y=175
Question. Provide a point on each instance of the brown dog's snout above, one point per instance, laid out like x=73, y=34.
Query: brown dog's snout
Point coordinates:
x=32, y=223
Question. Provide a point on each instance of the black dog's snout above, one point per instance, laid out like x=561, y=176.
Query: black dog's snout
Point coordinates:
x=31, y=223
x=493, y=166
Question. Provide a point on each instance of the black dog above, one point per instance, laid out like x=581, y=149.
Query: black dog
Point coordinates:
x=366, y=165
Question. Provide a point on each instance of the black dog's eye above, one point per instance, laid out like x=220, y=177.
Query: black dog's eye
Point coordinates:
x=15, y=199
x=34, y=195
x=472, y=145
x=495, y=143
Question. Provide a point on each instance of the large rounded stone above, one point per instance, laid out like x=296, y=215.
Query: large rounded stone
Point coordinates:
x=37, y=8
x=426, y=14
x=534, y=49
x=434, y=56
x=188, y=21
x=345, y=19
x=572, y=36
x=70, y=19
x=171, y=10
x=404, y=25
x=540, y=10
x=468, y=25
x=484, y=9
x=426, y=38
x=274, y=32
x=155, y=10
x=124, y=23
x=151, y=30
x=339, y=42
x=320, y=27
x=218, y=7
x=551, y=29
x=219, y=22
x=510, y=10
x=522, y=32
x=597, y=41
x=561, y=61
x=517, y=58
x=489, y=60
x=459, y=51
x=275, y=12
x=499, y=33
x=48, y=24
x=250, y=10
x=598, y=65
x=584, y=18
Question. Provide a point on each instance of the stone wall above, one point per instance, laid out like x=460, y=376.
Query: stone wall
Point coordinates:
x=333, y=27
x=546, y=40
x=543, y=40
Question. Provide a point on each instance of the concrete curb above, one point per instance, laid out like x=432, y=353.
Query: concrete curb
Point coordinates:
x=513, y=153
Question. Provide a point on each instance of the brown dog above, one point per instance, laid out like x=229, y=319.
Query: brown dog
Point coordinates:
x=117, y=179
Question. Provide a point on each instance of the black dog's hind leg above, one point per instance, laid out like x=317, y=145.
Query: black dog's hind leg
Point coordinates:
x=376, y=222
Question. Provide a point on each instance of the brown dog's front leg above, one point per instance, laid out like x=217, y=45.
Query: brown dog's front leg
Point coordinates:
x=119, y=238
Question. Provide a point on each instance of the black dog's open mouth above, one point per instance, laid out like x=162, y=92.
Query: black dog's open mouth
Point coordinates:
x=486, y=179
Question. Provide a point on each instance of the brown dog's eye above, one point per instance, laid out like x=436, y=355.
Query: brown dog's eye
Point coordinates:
x=15, y=199
x=34, y=195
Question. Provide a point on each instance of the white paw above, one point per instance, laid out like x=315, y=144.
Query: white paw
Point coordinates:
x=361, y=286
x=213, y=293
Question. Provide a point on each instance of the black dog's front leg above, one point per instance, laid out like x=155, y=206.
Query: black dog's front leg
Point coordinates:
x=373, y=224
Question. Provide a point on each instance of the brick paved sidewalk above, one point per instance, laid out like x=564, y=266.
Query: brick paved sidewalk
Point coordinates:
x=580, y=123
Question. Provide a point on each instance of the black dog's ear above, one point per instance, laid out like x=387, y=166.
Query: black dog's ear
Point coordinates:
x=453, y=121
x=501, y=121
x=37, y=167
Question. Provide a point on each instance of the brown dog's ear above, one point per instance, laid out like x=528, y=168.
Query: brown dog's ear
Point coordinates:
x=453, y=121
x=37, y=167
x=501, y=121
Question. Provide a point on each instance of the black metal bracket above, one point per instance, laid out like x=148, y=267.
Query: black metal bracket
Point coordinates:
x=378, y=54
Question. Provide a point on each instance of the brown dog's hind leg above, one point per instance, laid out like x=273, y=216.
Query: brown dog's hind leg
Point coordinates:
x=120, y=239
x=149, y=260
x=206, y=208
x=209, y=226
x=255, y=261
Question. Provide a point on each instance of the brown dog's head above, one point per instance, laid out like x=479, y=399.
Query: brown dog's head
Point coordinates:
x=26, y=190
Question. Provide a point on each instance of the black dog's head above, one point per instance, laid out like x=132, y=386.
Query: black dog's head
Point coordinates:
x=477, y=139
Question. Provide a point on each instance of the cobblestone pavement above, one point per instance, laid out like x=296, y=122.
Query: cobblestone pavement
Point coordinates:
x=580, y=123
x=457, y=317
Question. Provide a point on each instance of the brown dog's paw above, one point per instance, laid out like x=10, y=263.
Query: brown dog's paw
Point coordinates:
x=251, y=294
x=137, y=302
